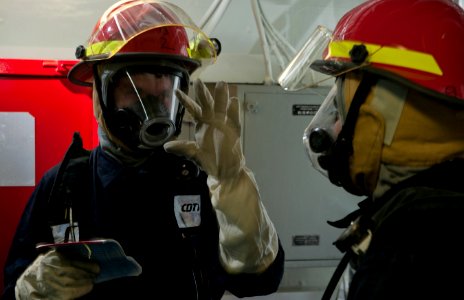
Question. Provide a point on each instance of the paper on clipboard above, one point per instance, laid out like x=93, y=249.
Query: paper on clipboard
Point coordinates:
x=108, y=253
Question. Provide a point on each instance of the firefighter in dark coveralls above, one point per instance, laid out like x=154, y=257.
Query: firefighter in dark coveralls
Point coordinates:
x=189, y=212
x=392, y=129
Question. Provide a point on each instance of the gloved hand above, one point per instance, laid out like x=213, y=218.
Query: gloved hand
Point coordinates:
x=217, y=148
x=248, y=241
x=52, y=276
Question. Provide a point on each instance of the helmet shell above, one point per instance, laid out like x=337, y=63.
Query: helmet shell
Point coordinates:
x=418, y=40
x=137, y=28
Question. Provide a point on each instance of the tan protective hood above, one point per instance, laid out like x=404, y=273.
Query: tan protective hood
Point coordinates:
x=401, y=127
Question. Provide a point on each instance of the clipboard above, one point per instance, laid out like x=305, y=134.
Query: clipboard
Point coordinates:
x=108, y=253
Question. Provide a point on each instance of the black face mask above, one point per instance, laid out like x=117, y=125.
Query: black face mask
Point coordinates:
x=146, y=125
x=330, y=147
x=323, y=130
x=150, y=114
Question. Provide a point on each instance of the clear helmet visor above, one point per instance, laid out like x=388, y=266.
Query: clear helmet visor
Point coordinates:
x=127, y=20
x=324, y=128
x=143, y=107
x=298, y=74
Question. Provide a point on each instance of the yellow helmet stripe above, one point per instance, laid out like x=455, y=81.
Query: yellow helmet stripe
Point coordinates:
x=400, y=57
x=201, y=47
x=105, y=47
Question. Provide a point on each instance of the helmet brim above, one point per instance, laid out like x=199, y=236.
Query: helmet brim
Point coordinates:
x=333, y=68
x=82, y=73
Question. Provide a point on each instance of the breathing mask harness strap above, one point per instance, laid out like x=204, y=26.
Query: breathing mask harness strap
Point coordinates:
x=342, y=149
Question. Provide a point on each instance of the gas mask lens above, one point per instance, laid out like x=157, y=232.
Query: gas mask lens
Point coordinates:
x=145, y=108
x=323, y=130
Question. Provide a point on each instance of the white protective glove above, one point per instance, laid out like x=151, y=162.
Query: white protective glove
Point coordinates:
x=248, y=239
x=53, y=277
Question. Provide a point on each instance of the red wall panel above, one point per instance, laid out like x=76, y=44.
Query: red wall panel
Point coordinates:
x=58, y=109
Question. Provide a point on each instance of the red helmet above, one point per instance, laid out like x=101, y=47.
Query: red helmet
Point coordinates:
x=146, y=29
x=417, y=40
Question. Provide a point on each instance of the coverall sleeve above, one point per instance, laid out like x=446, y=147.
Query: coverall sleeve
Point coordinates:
x=32, y=229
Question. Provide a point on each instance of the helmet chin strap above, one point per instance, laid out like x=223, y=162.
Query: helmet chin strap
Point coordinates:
x=337, y=160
